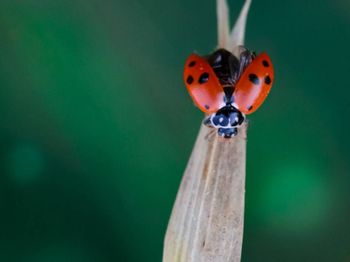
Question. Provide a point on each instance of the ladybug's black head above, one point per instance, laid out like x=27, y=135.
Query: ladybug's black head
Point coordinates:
x=226, y=119
x=227, y=116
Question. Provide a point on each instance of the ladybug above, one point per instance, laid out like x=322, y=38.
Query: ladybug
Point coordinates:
x=227, y=88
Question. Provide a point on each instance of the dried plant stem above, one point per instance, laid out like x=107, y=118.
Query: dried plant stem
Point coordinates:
x=207, y=219
x=238, y=30
x=223, y=23
x=206, y=223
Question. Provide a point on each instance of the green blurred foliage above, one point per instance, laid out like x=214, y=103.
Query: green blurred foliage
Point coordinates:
x=96, y=128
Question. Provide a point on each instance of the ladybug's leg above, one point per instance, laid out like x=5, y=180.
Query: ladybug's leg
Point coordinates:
x=207, y=121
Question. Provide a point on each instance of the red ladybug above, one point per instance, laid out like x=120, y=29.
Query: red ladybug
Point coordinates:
x=227, y=88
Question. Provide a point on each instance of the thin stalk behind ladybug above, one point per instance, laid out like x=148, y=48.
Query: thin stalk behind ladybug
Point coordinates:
x=227, y=87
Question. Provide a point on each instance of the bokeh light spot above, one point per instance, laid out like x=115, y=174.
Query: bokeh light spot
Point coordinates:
x=26, y=163
x=295, y=198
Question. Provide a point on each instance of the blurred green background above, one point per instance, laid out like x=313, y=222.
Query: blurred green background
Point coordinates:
x=97, y=126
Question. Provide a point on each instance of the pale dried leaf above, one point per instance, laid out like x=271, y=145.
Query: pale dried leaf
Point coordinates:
x=223, y=23
x=238, y=30
x=207, y=219
x=206, y=223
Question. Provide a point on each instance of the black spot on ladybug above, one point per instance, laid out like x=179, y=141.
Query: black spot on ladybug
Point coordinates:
x=254, y=79
x=203, y=78
x=250, y=108
x=267, y=80
x=206, y=107
x=265, y=63
x=189, y=80
x=192, y=63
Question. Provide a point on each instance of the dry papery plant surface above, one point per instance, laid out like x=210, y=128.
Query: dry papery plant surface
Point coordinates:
x=206, y=223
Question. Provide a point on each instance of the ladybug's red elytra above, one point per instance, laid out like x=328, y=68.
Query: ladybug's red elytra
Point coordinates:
x=227, y=88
